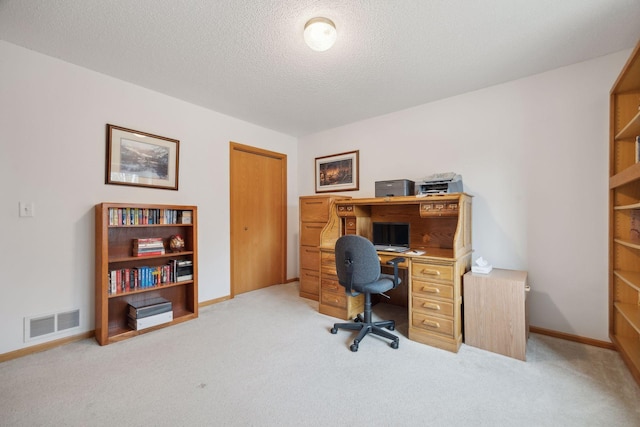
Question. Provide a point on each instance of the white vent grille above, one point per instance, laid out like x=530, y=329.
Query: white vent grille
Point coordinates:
x=49, y=324
x=68, y=320
x=42, y=326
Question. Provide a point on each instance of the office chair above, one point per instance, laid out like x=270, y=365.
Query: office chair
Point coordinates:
x=358, y=268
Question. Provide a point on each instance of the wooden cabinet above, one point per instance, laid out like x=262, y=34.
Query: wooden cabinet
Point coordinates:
x=495, y=312
x=314, y=214
x=122, y=278
x=440, y=226
x=435, y=302
x=624, y=214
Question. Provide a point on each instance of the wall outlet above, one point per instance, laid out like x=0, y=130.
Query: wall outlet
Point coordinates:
x=26, y=209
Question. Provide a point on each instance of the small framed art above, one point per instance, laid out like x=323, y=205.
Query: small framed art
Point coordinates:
x=141, y=159
x=337, y=172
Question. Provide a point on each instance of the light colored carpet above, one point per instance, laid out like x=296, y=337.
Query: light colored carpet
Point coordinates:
x=266, y=358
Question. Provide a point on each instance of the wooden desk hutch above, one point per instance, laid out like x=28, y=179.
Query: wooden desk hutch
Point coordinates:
x=440, y=225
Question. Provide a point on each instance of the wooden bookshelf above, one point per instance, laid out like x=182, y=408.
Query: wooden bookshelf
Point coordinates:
x=116, y=227
x=624, y=214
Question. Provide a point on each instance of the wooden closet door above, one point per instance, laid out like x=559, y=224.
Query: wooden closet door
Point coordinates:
x=258, y=218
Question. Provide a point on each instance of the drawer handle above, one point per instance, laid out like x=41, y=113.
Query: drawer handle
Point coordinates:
x=527, y=288
x=431, y=324
x=335, y=300
x=431, y=290
x=332, y=287
x=431, y=306
x=431, y=272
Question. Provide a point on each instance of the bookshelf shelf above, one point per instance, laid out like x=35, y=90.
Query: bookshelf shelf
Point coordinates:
x=142, y=258
x=161, y=286
x=123, y=279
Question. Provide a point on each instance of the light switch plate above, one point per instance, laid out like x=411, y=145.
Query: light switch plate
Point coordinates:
x=26, y=209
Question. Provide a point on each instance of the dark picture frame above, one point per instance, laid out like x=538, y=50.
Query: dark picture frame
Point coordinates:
x=338, y=172
x=141, y=159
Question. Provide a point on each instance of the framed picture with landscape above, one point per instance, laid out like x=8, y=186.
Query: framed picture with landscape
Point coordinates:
x=141, y=159
x=337, y=172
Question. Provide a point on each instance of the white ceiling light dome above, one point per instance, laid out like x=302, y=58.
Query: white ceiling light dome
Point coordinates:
x=320, y=34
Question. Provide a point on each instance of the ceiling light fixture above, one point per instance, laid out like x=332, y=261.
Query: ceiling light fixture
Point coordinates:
x=320, y=33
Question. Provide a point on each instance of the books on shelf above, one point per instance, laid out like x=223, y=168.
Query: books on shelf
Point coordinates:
x=148, y=246
x=145, y=216
x=184, y=217
x=149, y=307
x=124, y=280
x=184, y=270
x=149, y=321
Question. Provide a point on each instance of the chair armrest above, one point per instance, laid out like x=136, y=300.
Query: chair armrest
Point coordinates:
x=395, y=261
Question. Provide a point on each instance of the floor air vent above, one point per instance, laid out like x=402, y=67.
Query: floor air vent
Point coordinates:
x=40, y=326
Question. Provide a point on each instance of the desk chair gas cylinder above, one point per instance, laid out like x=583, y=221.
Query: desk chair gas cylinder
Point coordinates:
x=358, y=268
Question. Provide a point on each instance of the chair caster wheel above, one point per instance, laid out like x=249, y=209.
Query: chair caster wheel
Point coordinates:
x=357, y=320
x=334, y=330
x=392, y=328
x=354, y=347
x=394, y=344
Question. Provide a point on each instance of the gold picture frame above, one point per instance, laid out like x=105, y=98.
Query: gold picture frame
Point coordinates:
x=338, y=172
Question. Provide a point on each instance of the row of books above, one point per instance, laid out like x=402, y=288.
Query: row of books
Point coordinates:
x=145, y=216
x=148, y=247
x=149, y=312
x=124, y=280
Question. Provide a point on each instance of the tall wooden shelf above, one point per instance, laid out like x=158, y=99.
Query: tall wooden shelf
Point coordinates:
x=624, y=209
x=114, y=251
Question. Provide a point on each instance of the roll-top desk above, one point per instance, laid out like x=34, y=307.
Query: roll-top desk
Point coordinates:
x=440, y=225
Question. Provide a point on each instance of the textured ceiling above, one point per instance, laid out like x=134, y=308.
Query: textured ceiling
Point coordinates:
x=247, y=58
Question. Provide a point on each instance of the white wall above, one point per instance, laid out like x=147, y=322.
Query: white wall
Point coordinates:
x=52, y=153
x=533, y=153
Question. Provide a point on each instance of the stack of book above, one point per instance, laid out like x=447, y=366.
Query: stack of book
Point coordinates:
x=149, y=312
x=148, y=247
x=184, y=217
x=184, y=270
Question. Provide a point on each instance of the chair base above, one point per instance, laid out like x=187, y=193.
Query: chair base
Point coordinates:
x=368, y=327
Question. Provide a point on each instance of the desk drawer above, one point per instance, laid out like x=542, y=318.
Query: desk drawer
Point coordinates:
x=439, y=209
x=334, y=299
x=309, y=257
x=431, y=290
x=432, y=271
x=309, y=281
x=345, y=210
x=328, y=261
x=314, y=209
x=385, y=258
x=350, y=225
x=432, y=324
x=428, y=306
x=329, y=283
x=310, y=233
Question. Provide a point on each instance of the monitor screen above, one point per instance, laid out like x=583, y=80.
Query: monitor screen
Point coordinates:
x=391, y=234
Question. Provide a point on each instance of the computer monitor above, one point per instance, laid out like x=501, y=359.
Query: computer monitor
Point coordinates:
x=391, y=235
